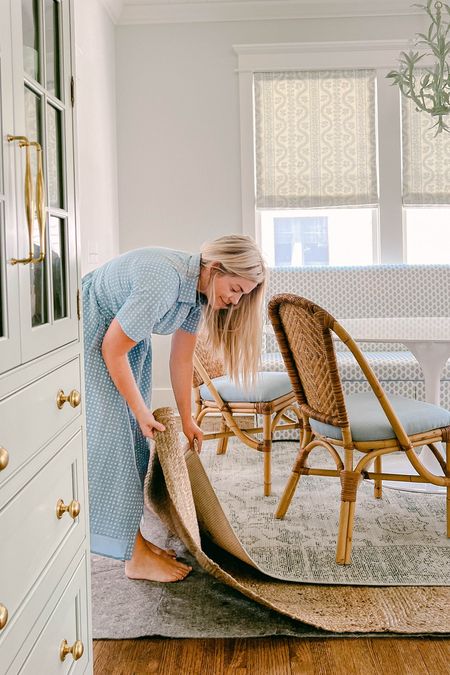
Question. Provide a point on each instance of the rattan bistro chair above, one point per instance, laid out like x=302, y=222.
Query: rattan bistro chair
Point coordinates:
x=272, y=397
x=368, y=422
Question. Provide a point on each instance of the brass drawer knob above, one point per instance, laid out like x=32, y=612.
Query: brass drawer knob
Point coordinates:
x=73, y=509
x=3, y=616
x=4, y=458
x=76, y=650
x=74, y=398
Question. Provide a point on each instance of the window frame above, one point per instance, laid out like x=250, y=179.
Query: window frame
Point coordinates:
x=380, y=55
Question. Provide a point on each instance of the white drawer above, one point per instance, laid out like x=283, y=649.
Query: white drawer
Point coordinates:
x=30, y=532
x=30, y=417
x=68, y=621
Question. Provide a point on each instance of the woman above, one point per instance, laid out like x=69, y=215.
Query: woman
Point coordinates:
x=155, y=290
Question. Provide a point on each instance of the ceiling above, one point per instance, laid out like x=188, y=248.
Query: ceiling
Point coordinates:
x=125, y=12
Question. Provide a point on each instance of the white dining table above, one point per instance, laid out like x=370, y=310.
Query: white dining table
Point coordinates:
x=428, y=339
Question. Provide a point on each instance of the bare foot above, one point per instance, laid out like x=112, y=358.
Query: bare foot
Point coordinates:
x=146, y=564
x=168, y=553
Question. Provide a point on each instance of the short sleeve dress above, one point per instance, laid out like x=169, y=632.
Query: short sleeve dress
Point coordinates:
x=149, y=290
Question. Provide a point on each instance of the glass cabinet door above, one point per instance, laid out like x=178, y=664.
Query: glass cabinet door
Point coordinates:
x=42, y=77
x=9, y=289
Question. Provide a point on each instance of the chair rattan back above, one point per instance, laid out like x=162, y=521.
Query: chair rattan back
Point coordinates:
x=213, y=365
x=303, y=333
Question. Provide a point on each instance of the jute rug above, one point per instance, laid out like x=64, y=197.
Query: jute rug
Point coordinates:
x=343, y=608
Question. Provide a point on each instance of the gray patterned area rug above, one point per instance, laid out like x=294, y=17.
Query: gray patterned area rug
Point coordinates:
x=399, y=540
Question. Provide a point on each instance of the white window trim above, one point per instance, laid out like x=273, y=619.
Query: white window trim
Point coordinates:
x=382, y=55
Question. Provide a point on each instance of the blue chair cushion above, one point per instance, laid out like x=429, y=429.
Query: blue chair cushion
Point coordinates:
x=268, y=387
x=368, y=421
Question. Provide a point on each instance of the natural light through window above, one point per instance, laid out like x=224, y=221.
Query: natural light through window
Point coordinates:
x=427, y=235
x=318, y=237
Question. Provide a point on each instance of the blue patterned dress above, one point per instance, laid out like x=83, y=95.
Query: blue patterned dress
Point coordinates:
x=149, y=290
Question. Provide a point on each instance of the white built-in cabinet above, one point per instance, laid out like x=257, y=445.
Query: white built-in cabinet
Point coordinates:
x=44, y=542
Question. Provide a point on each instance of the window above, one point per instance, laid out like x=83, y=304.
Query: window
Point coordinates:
x=315, y=146
x=426, y=188
x=337, y=167
x=427, y=235
x=318, y=236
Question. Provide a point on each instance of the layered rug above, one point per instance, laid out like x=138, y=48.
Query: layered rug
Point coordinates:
x=179, y=491
x=399, y=540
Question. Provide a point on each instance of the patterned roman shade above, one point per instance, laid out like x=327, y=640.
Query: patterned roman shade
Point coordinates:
x=315, y=139
x=426, y=158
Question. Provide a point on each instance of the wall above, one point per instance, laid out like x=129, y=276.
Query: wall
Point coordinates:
x=95, y=88
x=178, y=128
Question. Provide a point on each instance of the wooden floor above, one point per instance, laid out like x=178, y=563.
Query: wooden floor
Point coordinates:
x=273, y=656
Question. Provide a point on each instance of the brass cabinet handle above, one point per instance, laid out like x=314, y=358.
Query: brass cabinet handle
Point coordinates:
x=4, y=458
x=73, y=509
x=29, y=200
x=3, y=616
x=29, y=209
x=40, y=202
x=76, y=650
x=74, y=398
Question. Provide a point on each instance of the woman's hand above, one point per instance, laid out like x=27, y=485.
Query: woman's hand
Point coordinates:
x=193, y=433
x=148, y=424
x=181, y=369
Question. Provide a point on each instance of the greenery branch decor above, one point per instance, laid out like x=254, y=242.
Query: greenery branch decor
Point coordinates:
x=429, y=90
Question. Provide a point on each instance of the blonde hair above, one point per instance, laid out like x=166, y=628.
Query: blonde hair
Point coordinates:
x=236, y=332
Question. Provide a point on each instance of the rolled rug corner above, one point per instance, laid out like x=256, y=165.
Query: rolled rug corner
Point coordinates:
x=167, y=488
x=166, y=415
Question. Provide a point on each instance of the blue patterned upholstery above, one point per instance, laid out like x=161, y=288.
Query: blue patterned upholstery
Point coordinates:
x=374, y=290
